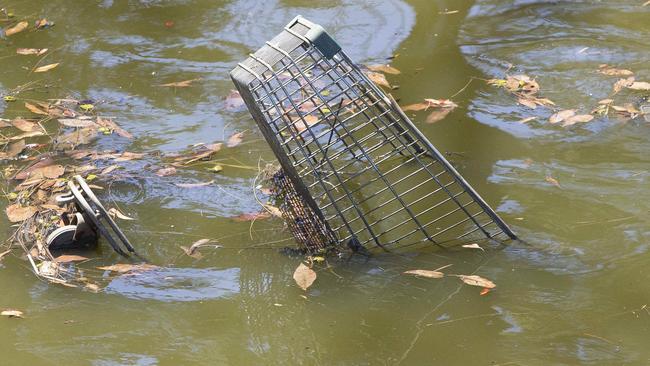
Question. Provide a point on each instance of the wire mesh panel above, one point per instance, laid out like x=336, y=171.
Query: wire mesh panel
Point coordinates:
x=351, y=157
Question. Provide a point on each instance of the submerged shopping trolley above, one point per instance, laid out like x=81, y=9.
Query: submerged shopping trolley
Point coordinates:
x=355, y=171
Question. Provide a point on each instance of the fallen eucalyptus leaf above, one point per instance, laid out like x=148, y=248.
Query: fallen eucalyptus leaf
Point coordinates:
x=124, y=268
x=18, y=213
x=46, y=67
x=21, y=26
x=235, y=139
x=12, y=313
x=562, y=115
x=385, y=69
x=164, y=172
x=116, y=213
x=425, y=273
x=473, y=246
x=475, y=280
x=69, y=258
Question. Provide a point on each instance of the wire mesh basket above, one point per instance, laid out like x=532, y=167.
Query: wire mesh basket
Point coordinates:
x=355, y=170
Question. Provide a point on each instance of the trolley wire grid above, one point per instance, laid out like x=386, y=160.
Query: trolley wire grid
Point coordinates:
x=357, y=171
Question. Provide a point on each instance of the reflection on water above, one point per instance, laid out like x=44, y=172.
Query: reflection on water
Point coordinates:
x=177, y=284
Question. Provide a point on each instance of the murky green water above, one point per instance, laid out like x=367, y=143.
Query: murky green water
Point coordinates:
x=574, y=293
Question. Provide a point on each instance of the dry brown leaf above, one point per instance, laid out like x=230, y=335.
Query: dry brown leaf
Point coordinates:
x=562, y=115
x=425, y=273
x=26, y=135
x=164, y=172
x=128, y=156
x=193, y=185
x=235, y=139
x=31, y=51
x=110, y=124
x=385, y=69
x=66, y=258
x=527, y=102
x=304, y=276
x=639, y=85
x=117, y=213
x=17, y=213
x=192, y=250
x=78, y=122
x=92, y=287
x=612, y=71
x=473, y=246
x=180, y=84
x=24, y=125
x=50, y=172
x=273, y=210
x=579, y=118
x=646, y=3
x=606, y=101
x=46, y=67
x=527, y=119
x=13, y=150
x=12, y=313
x=21, y=26
x=124, y=268
x=475, y=280
x=109, y=169
x=623, y=83
x=378, y=78
x=552, y=180
x=36, y=110
x=24, y=173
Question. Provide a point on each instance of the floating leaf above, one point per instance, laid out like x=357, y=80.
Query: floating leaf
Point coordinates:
x=623, y=83
x=124, y=268
x=235, y=139
x=92, y=287
x=31, y=51
x=86, y=107
x=425, y=273
x=378, y=78
x=180, y=84
x=527, y=119
x=579, y=118
x=273, y=210
x=438, y=115
x=69, y=258
x=46, y=67
x=527, y=102
x=384, y=68
x=12, y=313
x=193, y=185
x=484, y=291
x=639, y=85
x=117, y=213
x=24, y=125
x=17, y=213
x=9, y=98
x=612, y=71
x=13, y=150
x=304, y=276
x=34, y=109
x=109, y=169
x=26, y=135
x=16, y=28
x=78, y=122
x=473, y=246
x=43, y=23
x=164, y=172
x=562, y=115
x=192, y=250
x=479, y=281
x=110, y=124
x=81, y=136
x=552, y=180
x=50, y=172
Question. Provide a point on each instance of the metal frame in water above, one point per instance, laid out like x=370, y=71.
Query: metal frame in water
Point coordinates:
x=359, y=171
